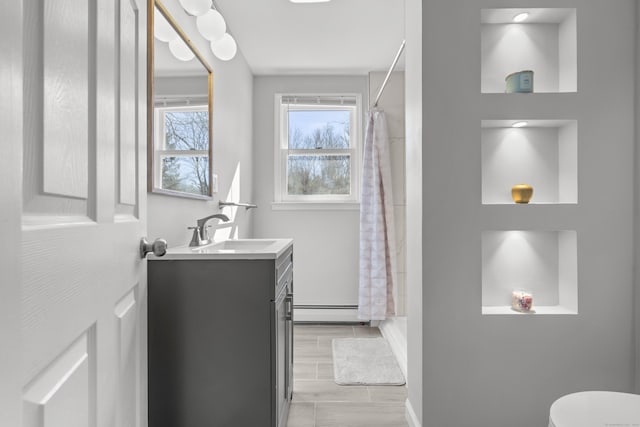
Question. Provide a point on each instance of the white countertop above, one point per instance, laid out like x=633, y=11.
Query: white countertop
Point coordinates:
x=229, y=249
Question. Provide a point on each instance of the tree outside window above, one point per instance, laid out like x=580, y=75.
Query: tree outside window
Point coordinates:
x=183, y=149
x=318, y=148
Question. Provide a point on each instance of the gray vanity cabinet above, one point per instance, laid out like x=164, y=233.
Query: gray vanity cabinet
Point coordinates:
x=220, y=342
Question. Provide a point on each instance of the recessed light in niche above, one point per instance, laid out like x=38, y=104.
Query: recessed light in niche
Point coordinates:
x=544, y=43
x=521, y=17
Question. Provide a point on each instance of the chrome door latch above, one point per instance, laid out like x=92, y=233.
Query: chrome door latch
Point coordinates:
x=158, y=247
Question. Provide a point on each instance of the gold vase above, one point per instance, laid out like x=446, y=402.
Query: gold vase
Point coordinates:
x=521, y=193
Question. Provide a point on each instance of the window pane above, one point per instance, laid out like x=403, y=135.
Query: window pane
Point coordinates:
x=186, y=130
x=319, y=175
x=312, y=129
x=188, y=174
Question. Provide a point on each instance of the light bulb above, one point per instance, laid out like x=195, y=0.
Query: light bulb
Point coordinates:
x=519, y=124
x=180, y=50
x=521, y=17
x=196, y=7
x=211, y=25
x=162, y=30
x=225, y=48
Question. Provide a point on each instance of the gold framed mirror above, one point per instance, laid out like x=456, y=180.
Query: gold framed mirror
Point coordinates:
x=179, y=110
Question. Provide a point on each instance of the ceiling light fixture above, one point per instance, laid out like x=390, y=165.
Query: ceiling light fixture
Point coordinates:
x=195, y=7
x=521, y=17
x=309, y=1
x=211, y=25
x=519, y=124
x=225, y=48
x=180, y=50
x=162, y=30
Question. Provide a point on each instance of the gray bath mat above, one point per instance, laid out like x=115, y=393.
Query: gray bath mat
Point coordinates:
x=365, y=361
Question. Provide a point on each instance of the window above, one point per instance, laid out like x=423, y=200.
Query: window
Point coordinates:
x=182, y=149
x=317, y=148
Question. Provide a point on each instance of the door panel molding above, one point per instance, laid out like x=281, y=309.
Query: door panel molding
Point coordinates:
x=63, y=393
x=128, y=95
x=59, y=99
x=126, y=313
x=65, y=97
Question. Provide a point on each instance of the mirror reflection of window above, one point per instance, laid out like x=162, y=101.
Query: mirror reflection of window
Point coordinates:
x=179, y=108
x=182, y=148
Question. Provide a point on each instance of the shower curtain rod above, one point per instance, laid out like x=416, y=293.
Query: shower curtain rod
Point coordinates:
x=386, y=79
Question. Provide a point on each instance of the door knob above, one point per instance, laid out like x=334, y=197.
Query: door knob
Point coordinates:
x=158, y=247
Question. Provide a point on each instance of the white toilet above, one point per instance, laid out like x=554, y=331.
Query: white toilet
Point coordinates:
x=596, y=409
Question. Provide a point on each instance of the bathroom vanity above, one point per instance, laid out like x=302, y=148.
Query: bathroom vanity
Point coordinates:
x=221, y=335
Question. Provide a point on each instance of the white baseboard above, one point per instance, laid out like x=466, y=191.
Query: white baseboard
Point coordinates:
x=397, y=341
x=325, y=315
x=410, y=415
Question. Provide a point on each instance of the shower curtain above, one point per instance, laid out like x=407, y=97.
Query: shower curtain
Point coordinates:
x=377, y=234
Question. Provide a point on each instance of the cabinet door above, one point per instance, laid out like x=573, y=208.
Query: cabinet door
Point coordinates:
x=289, y=341
x=280, y=386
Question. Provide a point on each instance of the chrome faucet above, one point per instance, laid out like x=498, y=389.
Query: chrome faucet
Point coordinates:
x=200, y=233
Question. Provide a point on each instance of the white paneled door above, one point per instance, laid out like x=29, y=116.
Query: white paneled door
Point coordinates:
x=77, y=92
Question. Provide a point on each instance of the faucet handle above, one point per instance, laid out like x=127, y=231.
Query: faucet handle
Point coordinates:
x=195, y=239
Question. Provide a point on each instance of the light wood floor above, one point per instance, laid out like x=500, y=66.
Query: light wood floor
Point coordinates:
x=319, y=402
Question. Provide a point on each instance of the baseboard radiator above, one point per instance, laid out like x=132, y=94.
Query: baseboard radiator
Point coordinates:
x=326, y=314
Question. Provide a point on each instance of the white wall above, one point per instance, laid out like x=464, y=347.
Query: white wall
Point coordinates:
x=325, y=241
x=393, y=103
x=170, y=216
x=544, y=62
x=491, y=370
x=515, y=156
x=180, y=86
x=413, y=188
x=567, y=81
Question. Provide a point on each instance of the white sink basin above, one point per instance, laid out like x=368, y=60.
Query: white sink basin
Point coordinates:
x=239, y=245
x=230, y=249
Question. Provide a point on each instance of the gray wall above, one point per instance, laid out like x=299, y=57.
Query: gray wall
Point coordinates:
x=169, y=216
x=326, y=241
x=491, y=370
x=637, y=213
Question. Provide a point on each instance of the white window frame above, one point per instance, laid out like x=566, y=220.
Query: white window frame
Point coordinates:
x=159, y=141
x=282, y=152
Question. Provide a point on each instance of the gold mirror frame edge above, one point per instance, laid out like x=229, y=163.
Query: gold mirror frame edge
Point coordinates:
x=150, y=95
